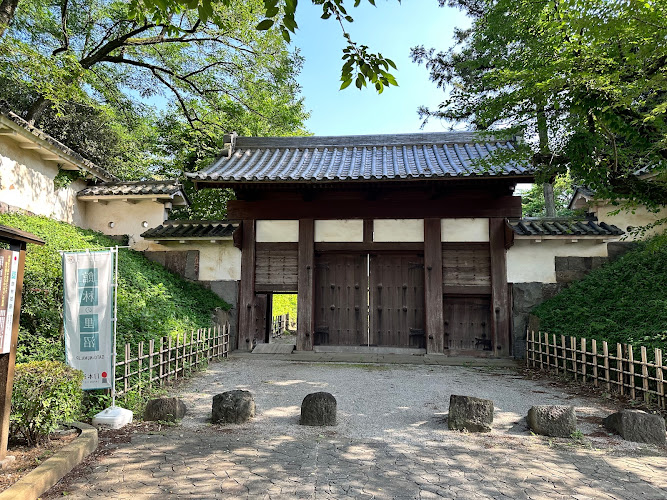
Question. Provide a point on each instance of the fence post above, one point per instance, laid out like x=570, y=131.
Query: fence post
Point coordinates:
x=151, y=364
x=594, y=348
x=644, y=374
x=631, y=362
x=619, y=366
x=583, y=360
x=564, y=349
x=659, y=378
x=605, y=353
x=126, y=378
x=140, y=363
x=573, y=347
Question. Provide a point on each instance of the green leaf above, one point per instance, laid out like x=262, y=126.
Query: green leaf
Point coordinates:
x=346, y=83
x=265, y=24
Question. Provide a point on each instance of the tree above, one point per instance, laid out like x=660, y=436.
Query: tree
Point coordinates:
x=582, y=80
x=534, y=205
x=94, y=61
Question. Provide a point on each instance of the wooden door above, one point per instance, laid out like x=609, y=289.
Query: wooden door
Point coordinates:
x=467, y=323
x=341, y=311
x=397, y=300
x=261, y=317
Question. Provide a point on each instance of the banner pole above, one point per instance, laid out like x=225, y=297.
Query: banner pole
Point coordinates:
x=115, y=323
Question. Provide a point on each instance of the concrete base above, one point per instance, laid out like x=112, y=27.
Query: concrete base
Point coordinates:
x=362, y=349
x=113, y=417
x=39, y=480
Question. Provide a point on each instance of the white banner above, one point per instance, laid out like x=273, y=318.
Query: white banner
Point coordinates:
x=88, y=316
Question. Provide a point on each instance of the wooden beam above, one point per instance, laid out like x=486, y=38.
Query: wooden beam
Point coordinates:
x=433, y=302
x=8, y=360
x=500, y=302
x=305, y=293
x=368, y=230
x=450, y=206
x=247, y=293
x=369, y=247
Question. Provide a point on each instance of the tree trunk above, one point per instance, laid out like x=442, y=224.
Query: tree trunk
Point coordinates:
x=36, y=110
x=549, y=202
x=543, y=134
x=7, y=9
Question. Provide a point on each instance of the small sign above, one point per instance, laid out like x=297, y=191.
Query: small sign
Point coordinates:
x=88, y=315
x=9, y=266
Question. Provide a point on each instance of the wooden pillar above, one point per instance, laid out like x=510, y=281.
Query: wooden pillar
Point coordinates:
x=435, y=337
x=500, y=303
x=306, y=269
x=247, y=295
x=8, y=360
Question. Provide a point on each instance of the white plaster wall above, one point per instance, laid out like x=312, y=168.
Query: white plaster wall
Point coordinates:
x=127, y=218
x=623, y=219
x=277, y=231
x=219, y=261
x=351, y=230
x=528, y=261
x=464, y=229
x=26, y=182
x=397, y=230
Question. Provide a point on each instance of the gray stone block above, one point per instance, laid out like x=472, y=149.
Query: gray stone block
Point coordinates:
x=467, y=413
x=165, y=409
x=318, y=408
x=638, y=426
x=233, y=407
x=552, y=420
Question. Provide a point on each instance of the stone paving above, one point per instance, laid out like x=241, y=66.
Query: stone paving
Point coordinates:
x=274, y=458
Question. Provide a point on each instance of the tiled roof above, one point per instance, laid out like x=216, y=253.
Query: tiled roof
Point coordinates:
x=88, y=165
x=364, y=157
x=136, y=188
x=190, y=229
x=563, y=227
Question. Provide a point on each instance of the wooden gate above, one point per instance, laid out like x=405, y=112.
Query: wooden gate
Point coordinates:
x=397, y=300
x=467, y=323
x=341, y=288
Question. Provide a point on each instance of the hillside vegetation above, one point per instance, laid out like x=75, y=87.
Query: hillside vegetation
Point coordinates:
x=152, y=302
x=625, y=301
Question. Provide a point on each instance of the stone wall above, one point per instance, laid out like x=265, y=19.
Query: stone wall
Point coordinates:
x=184, y=263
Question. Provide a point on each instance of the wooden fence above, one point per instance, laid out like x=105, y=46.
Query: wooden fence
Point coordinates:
x=279, y=324
x=170, y=359
x=589, y=362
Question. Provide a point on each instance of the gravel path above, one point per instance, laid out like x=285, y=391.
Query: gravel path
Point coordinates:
x=391, y=441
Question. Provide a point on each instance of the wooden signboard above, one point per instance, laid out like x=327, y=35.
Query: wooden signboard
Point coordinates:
x=11, y=288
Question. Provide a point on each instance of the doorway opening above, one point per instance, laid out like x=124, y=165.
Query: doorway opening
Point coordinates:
x=282, y=326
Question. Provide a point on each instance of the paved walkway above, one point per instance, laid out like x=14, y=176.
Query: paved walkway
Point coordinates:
x=391, y=442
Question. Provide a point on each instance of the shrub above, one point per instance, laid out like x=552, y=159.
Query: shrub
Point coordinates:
x=45, y=394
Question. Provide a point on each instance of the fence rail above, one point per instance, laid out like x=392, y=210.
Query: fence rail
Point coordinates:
x=170, y=359
x=588, y=362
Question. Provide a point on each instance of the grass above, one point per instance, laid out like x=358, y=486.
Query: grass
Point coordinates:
x=622, y=302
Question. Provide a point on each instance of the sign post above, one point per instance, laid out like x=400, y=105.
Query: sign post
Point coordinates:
x=11, y=288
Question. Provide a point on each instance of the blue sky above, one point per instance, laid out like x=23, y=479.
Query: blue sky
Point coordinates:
x=392, y=29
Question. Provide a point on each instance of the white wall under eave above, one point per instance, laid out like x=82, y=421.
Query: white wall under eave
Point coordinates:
x=277, y=231
x=127, y=219
x=464, y=230
x=636, y=218
x=26, y=182
x=398, y=230
x=343, y=231
x=528, y=261
x=219, y=261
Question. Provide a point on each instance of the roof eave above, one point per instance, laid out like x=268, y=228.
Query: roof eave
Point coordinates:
x=52, y=152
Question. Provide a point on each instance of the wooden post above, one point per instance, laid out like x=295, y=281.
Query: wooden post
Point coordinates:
x=605, y=353
x=305, y=330
x=564, y=350
x=435, y=320
x=500, y=306
x=594, y=348
x=555, y=346
x=573, y=346
x=583, y=361
x=619, y=366
x=128, y=356
x=631, y=366
x=659, y=378
x=644, y=374
x=151, y=365
x=140, y=364
x=247, y=293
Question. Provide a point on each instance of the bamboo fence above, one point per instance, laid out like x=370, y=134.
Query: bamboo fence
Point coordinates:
x=170, y=359
x=589, y=361
x=279, y=324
